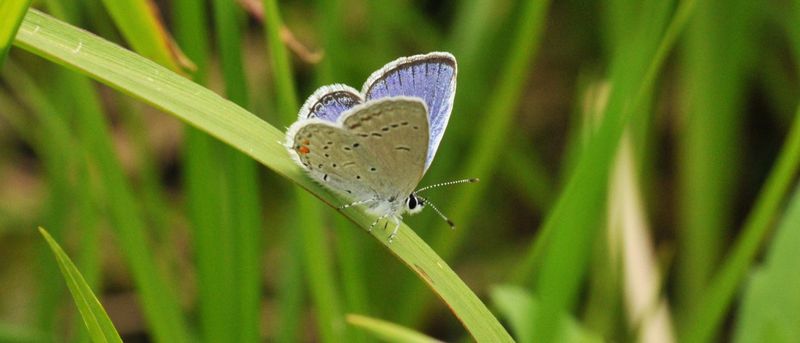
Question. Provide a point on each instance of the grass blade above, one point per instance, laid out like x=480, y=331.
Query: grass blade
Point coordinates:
x=518, y=306
x=12, y=12
x=769, y=308
x=159, y=305
x=704, y=317
x=202, y=108
x=388, y=332
x=141, y=26
x=487, y=148
x=94, y=316
x=319, y=270
x=710, y=141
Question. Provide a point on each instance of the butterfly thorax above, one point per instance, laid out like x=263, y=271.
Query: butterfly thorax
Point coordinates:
x=396, y=206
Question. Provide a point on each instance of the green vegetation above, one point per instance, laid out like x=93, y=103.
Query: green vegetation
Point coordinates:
x=638, y=164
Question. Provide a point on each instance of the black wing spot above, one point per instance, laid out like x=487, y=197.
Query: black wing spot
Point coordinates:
x=384, y=129
x=404, y=123
x=358, y=177
x=333, y=165
x=325, y=147
x=329, y=143
x=346, y=148
x=355, y=145
x=395, y=125
x=349, y=191
x=400, y=147
x=416, y=127
x=377, y=134
x=320, y=165
x=325, y=177
x=373, y=169
x=326, y=155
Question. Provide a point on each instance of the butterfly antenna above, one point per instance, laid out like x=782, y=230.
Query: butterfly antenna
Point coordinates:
x=429, y=203
x=448, y=183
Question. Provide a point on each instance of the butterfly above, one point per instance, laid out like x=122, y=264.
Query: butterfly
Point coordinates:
x=374, y=146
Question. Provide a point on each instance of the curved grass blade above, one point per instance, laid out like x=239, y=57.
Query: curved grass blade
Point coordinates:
x=388, y=332
x=202, y=108
x=94, y=316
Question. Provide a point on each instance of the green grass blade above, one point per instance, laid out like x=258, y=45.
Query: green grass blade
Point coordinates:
x=54, y=143
x=487, y=148
x=319, y=269
x=710, y=141
x=12, y=12
x=244, y=205
x=160, y=306
x=771, y=301
x=704, y=317
x=94, y=316
x=141, y=26
x=202, y=108
x=565, y=238
x=518, y=306
x=388, y=332
x=18, y=333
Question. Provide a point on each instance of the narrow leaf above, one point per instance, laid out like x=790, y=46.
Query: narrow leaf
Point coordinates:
x=94, y=316
x=388, y=332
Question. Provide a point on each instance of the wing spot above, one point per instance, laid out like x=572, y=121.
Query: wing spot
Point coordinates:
x=384, y=129
x=395, y=125
x=363, y=135
x=346, y=148
x=372, y=169
x=329, y=143
x=355, y=145
x=349, y=163
x=325, y=177
x=358, y=177
x=333, y=165
x=319, y=166
x=404, y=123
x=375, y=134
x=416, y=127
x=325, y=147
x=400, y=147
x=349, y=191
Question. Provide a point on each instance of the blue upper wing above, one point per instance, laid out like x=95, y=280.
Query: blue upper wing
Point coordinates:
x=329, y=102
x=431, y=77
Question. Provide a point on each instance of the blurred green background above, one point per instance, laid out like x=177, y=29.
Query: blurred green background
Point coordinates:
x=638, y=162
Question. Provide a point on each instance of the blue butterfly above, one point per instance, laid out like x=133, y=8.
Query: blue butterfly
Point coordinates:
x=374, y=146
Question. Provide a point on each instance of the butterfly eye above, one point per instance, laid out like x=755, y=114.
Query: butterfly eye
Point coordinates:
x=411, y=202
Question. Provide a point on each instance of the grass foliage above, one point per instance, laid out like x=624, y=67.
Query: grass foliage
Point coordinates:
x=635, y=159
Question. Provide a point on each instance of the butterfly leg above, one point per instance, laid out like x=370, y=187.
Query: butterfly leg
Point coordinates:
x=371, y=226
x=396, y=228
x=360, y=202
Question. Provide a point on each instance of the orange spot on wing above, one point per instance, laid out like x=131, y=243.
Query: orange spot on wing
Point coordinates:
x=303, y=150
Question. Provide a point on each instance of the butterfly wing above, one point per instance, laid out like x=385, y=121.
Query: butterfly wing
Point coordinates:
x=329, y=102
x=375, y=150
x=431, y=77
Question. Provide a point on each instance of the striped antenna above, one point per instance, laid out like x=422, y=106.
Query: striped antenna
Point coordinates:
x=448, y=183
